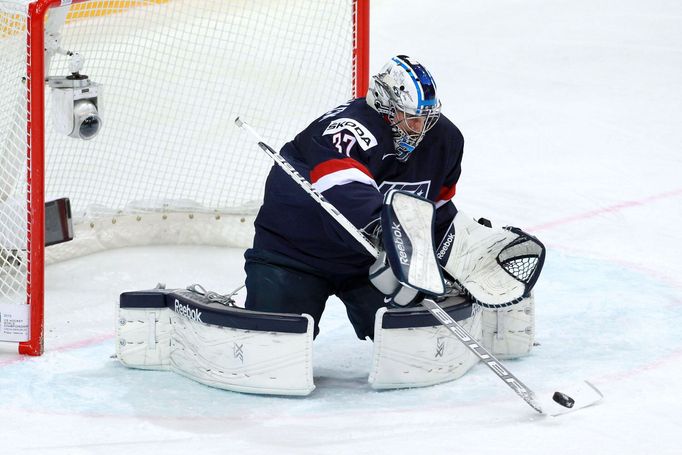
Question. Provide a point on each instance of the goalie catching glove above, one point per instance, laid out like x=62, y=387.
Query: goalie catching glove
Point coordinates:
x=497, y=266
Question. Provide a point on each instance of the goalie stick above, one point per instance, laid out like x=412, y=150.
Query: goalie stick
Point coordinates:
x=442, y=316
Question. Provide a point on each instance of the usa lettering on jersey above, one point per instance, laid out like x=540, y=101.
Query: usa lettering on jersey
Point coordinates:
x=419, y=188
x=364, y=137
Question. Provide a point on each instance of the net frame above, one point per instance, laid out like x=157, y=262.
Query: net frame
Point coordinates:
x=35, y=13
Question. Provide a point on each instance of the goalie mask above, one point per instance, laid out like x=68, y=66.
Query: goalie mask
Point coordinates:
x=404, y=92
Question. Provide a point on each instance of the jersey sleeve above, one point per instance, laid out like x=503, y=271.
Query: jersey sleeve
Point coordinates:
x=445, y=207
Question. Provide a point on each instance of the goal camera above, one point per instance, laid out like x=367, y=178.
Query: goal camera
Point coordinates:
x=76, y=106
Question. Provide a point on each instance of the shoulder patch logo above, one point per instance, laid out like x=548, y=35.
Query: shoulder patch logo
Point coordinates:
x=361, y=133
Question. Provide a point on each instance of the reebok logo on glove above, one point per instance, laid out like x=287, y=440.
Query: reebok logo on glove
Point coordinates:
x=446, y=243
x=399, y=243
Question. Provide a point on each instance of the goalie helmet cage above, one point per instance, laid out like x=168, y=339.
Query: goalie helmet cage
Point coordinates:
x=168, y=165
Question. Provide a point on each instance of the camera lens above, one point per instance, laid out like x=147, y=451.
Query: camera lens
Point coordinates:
x=86, y=119
x=89, y=127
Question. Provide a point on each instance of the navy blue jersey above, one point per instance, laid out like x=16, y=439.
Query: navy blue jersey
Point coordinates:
x=348, y=155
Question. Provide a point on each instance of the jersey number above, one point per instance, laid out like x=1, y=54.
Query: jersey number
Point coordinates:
x=344, y=143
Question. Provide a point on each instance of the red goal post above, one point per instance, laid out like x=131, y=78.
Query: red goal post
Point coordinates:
x=174, y=75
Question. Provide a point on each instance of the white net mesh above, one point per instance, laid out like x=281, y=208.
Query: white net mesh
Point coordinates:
x=174, y=75
x=13, y=172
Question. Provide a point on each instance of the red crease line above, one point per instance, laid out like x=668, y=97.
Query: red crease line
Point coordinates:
x=611, y=209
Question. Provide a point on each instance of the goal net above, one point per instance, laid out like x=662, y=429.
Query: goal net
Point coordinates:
x=168, y=164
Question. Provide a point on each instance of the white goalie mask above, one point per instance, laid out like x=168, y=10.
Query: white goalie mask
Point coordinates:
x=404, y=92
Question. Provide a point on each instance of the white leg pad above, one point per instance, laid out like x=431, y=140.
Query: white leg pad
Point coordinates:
x=143, y=338
x=243, y=360
x=228, y=358
x=510, y=332
x=420, y=356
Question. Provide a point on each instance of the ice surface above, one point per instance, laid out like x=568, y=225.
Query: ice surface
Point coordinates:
x=571, y=113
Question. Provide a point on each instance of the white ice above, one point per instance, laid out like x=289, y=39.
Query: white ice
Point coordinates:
x=571, y=111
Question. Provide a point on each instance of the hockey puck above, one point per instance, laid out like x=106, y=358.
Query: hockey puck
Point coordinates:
x=563, y=399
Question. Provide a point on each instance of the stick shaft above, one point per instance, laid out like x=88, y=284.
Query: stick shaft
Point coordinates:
x=482, y=353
